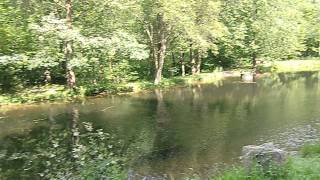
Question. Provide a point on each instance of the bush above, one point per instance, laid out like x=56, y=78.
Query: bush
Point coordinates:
x=63, y=153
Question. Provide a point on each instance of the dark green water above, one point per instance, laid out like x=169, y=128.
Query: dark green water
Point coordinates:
x=170, y=133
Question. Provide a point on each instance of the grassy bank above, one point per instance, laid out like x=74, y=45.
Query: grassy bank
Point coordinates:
x=60, y=93
x=51, y=93
x=181, y=81
x=302, y=167
x=39, y=94
x=291, y=66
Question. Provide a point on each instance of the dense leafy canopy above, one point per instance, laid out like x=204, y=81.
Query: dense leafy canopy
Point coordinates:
x=110, y=43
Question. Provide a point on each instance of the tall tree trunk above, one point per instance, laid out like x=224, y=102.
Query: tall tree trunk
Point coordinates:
x=198, y=62
x=254, y=67
x=152, y=38
x=159, y=61
x=173, y=64
x=192, y=62
x=254, y=63
x=68, y=51
x=173, y=59
x=47, y=76
x=183, y=69
x=254, y=53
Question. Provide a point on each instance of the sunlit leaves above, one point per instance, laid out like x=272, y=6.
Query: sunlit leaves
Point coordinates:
x=269, y=28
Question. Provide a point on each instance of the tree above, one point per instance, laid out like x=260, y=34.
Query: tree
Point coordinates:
x=65, y=46
x=311, y=14
x=157, y=31
x=207, y=29
x=68, y=50
x=103, y=45
x=178, y=26
x=262, y=29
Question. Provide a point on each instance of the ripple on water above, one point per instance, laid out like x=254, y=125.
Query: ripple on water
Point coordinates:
x=293, y=139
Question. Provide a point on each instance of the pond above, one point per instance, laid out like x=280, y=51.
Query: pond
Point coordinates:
x=167, y=134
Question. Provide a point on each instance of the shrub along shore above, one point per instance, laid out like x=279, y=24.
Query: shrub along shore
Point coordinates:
x=51, y=93
x=60, y=93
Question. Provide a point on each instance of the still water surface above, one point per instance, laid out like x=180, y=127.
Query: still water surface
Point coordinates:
x=179, y=131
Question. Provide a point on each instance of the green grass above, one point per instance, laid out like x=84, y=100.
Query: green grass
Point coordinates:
x=291, y=66
x=304, y=167
x=203, y=78
x=311, y=150
x=59, y=92
x=40, y=94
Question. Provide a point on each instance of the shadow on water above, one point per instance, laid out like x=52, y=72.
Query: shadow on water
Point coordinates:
x=163, y=134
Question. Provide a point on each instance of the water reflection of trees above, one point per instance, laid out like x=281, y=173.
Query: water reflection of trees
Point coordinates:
x=288, y=79
x=166, y=132
x=163, y=146
x=202, y=125
x=210, y=124
x=61, y=151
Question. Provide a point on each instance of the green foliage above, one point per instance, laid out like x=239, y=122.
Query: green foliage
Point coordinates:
x=265, y=29
x=296, y=168
x=257, y=173
x=311, y=150
x=78, y=153
x=290, y=66
x=305, y=167
x=108, y=88
x=43, y=93
x=111, y=39
x=14, y=33
x=311, y=12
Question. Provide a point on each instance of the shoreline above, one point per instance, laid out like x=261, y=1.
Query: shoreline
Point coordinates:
x=137, y=87
x=56, y=94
